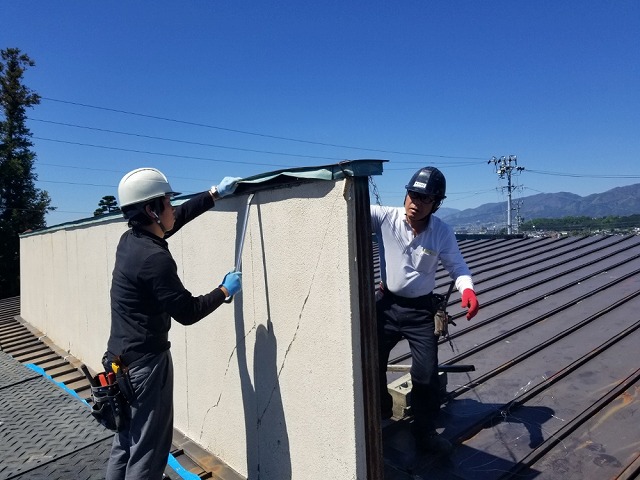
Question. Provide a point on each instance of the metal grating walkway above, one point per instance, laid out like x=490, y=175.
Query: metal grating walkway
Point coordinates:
x=46, y=428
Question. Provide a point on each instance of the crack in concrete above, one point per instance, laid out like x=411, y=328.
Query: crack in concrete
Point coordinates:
x=215, y=405
x=304, y=304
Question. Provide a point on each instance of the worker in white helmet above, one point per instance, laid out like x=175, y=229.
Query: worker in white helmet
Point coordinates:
x=146, y=293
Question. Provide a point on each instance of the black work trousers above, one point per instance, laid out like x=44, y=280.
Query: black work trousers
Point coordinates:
x=400, y=317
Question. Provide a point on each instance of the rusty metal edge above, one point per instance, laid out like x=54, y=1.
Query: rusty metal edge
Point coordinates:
x=368, y=332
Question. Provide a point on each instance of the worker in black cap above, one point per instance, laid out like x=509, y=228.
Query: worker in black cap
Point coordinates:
x=146, y=293
x=411, y=243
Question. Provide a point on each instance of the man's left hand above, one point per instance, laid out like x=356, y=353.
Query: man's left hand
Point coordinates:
x=470, y=301
x=227, y=186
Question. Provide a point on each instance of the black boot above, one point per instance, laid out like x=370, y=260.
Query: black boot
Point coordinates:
x=425, y=406
x=431, y=442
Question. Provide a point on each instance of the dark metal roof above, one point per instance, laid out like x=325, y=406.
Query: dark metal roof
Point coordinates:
x=555, y=347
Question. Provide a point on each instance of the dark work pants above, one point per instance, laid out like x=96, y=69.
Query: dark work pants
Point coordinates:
x=407, y=318
x=141, y=451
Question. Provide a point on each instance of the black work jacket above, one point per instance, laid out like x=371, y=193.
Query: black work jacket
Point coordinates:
x=146, y=290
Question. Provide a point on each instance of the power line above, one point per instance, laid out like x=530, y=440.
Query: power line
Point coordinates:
x=39, y=210
x=448, y=164
x=264, y=135
x=139, y=135
x=79, y=168
x=77, y=183
x=162, y=154
x=473, y=193
x=580, y=175
x=152, y=137
x=244, y=132
x=120, y=172
x=465, y=161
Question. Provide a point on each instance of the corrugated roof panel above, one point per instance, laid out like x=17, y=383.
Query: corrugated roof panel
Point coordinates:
x=555, y=386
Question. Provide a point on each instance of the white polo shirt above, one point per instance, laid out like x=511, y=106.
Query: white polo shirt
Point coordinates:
x=408, y=264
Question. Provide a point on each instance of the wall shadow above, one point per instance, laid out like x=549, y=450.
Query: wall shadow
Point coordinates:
x=267, y=439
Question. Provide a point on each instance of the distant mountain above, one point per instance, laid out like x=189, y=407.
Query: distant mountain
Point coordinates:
x=621, y=201
x=446, y=212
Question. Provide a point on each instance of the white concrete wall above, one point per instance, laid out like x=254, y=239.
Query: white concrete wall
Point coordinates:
x=271, y=381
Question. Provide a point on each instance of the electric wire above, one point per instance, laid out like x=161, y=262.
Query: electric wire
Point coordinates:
x=75, y=167
x=317, y=157
x=580, y=175
x=245, y=132
x=201, y=144
x=174, y=155
x=450, y=164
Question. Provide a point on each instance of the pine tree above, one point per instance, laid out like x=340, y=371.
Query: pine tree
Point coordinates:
x=107, y=204
x=22, y=205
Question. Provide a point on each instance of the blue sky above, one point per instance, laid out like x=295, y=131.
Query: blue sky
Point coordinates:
x=202, y=90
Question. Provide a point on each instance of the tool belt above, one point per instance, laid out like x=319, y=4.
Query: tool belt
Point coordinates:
x=424, y=301
x=112, y=393
x=435, y=302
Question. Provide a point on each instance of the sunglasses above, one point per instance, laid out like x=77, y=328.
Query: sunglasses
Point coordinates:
x=421, y=197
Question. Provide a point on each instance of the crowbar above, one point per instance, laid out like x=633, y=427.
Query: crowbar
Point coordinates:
x=240, y=247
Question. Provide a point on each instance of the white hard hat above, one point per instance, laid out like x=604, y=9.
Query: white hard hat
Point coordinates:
x=141, y=185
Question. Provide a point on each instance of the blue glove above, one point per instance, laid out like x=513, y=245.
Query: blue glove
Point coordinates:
x=232, y=281
x=227, y=186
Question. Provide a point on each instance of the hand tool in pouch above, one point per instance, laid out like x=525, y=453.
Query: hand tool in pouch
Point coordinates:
x=240, y=247
x=121, y=371
x=441, y=317
x=109, y=407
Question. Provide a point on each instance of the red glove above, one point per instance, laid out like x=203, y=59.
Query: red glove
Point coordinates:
x=470, y=301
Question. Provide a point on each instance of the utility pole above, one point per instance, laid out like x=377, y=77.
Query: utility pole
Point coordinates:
x=519, y=218
x=505, y=166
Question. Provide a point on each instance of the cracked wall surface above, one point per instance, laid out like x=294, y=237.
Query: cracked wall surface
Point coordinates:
x=269, y=383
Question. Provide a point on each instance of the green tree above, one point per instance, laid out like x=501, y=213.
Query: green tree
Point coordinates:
x=107, y=204
x=22, y=205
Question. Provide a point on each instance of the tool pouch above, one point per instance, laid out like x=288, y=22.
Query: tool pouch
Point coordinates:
x=441, y=320
x=123, y=381
x=110, y=408
x=123, y=378
x=440, y=317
